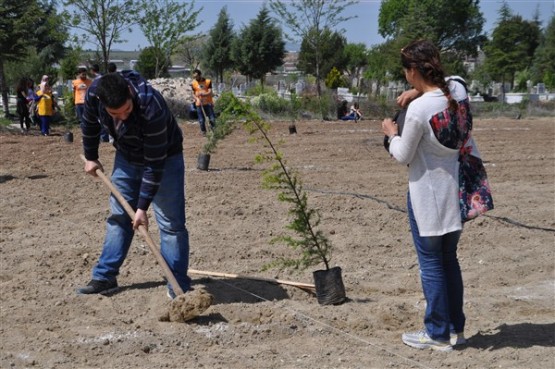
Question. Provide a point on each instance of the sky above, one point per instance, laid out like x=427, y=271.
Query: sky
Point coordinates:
x=362, y=29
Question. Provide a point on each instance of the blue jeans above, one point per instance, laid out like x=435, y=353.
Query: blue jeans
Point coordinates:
x=441, y=279
x=169, y=209
x=79, y=111
x=45, y=124
x=209, y=111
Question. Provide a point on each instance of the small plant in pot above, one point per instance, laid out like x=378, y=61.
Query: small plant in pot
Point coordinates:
x=313, y=245
x=225, y=124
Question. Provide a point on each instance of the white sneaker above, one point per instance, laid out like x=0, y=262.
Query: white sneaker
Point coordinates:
x=421, y=340
x=457, y=339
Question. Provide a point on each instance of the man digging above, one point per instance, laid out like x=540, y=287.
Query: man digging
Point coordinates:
x=148, y=169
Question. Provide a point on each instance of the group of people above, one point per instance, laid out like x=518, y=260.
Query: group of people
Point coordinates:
x=149, y=170
x=35, y=106
x=346, y=113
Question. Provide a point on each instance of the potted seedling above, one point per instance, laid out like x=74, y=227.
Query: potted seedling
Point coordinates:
x=224, y=126
x=313, y=246
x=295, y=107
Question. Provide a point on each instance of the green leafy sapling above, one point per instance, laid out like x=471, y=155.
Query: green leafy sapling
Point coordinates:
x=228, y=115
x=313, y=245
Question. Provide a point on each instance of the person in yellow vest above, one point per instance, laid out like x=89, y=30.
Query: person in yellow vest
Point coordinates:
x=202, y=92
x=45, y=107
x=80, y=86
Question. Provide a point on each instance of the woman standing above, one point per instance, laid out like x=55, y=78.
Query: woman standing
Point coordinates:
x=22, y=109
x=46, y=105
x=437, y=125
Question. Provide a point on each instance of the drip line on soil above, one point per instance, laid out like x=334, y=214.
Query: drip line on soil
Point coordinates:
x=324, y=324
x=393, y=207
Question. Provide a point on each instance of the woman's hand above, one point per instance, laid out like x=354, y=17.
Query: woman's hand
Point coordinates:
x=389, y=127
x=407, y=96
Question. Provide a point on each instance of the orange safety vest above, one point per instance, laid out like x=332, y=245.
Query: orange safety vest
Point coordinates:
x=80, y=89
x=203, y=86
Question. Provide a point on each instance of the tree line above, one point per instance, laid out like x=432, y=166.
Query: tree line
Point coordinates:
x=35, y=39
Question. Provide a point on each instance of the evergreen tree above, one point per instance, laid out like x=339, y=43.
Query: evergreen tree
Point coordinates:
x=512, y=46
x=149, y=63
x=217, y=52
x=28, y=28
x=544, y=57
x=260, y=48
x=330, y=51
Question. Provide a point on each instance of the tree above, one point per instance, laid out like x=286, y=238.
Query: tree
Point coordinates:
x=544, y=58
x=306, y=19
x=102, y=20
x=164, y=24
x=217, y=52
x=511, y=47
x=260, y=47
x=190, y=50
x=150, y=60
x=331, y=53
x=356, y=56
x=28, y=30
x=451, y=24
x=380, y=61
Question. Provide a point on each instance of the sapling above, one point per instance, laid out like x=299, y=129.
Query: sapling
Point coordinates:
x=314, y=246
x=224, y=125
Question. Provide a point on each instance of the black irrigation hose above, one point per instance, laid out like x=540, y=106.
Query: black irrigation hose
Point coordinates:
x=393, y=207
x=360, y=196
x=515, y=223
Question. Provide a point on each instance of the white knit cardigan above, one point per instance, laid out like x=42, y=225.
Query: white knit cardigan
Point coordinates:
x=433, y=168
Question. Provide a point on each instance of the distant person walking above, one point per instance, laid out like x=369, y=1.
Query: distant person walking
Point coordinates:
x=202, y=92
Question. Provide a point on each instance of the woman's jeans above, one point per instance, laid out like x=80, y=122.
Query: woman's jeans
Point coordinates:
x=169, y=209
x=441, y=278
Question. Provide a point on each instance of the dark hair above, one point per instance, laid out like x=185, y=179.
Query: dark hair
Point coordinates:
x=22, y=85
x=197, y=71
x=81, y=70
x=112, y=67
x=424, y=56
x=95, y=68
x=113, y=90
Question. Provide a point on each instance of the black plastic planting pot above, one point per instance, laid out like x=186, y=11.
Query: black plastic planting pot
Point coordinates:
x=203, y=161
x=329, y=286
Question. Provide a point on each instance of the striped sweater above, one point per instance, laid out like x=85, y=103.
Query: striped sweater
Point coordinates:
x=146, y=138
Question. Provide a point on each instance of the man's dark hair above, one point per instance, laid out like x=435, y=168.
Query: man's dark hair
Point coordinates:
x=197, y=71
x=95, y=68
x=81, y=70
x=113, y=90
x=112, y=67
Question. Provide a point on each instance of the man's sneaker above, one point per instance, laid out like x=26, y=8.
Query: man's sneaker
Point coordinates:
x=97, y=286
x=421, y=340
x=457, y=339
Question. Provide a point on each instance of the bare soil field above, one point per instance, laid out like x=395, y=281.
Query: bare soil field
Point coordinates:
x=52, y=227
